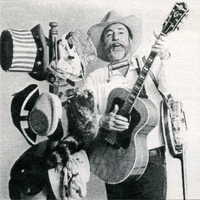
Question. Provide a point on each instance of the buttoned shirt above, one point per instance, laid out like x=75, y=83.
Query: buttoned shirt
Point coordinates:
x=101, y=82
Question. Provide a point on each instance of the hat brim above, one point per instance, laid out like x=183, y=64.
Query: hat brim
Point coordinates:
x=132, y=22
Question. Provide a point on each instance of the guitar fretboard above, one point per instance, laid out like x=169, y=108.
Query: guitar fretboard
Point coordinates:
x=130, y=100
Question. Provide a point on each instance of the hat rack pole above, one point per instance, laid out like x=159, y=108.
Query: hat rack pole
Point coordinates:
x=53, y=33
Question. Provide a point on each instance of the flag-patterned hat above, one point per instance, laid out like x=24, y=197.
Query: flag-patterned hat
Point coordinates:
x=24, y=51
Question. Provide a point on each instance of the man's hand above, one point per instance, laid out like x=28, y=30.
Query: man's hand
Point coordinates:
x=112, y=121
x=161, y=46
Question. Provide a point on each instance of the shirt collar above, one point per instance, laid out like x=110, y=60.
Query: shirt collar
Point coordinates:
x=131, y=68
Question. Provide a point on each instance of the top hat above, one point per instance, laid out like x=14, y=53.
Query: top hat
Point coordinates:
x=24, y=51
x=132, y=23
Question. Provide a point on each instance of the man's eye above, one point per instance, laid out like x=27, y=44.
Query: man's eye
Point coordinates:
x=121, y=33
x=109, y=35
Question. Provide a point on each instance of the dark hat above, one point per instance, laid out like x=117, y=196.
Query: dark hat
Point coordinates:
x=21, y=105
x=28, y=176
x=24, y=51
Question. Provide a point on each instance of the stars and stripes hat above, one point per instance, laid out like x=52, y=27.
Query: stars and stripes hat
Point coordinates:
x=24, y=51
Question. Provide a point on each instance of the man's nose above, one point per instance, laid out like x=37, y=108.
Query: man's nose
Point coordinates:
x=115, y=37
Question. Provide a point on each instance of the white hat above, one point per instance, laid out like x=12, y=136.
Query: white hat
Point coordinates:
x=132, y=23
x=45, y=115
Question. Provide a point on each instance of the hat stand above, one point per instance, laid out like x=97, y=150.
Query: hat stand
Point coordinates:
x=53, y=52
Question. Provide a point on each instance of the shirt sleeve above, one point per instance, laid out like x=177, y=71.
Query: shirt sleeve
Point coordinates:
x=159, y=69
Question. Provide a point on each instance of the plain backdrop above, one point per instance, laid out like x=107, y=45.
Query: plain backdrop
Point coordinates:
x=183, y=72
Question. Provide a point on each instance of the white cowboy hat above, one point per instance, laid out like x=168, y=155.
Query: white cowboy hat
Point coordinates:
x=45, y=114
x=132, y=23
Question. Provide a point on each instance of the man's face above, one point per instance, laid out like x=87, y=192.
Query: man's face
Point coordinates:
x=116, y=41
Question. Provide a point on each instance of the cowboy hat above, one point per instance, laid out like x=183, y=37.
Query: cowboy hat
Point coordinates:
x=46, y=114
x=132, y=23
x=21, y=105
x=24, y=51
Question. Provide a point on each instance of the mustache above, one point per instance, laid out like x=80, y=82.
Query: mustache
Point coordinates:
x=113, y=45
x=116, y=44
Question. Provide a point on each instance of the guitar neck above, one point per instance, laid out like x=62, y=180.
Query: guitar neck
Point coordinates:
x=131, y=98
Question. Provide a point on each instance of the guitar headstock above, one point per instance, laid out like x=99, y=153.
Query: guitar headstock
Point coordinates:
x=178, y=12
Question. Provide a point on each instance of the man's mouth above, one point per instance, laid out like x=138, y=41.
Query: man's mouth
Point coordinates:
x=116, y=46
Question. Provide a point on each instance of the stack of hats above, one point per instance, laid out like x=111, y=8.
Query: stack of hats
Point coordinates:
x=40, y=114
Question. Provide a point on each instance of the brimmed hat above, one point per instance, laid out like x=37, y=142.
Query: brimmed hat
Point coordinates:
x=21, y=105
x=74, y=177
x=24, y=51
x=131, y=22
x=46, y=114
x=29, y=177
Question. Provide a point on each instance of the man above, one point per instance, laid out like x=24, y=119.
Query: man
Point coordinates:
x=116, y=39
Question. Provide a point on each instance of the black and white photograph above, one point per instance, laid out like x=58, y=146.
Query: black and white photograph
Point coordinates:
x=99, y=100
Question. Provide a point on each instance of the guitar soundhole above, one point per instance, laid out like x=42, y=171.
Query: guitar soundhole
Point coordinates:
x=124, y=138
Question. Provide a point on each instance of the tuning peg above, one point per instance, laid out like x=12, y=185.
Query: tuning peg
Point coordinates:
x=186, y=16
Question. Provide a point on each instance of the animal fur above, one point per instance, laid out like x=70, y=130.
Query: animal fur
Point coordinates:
x=82, y=126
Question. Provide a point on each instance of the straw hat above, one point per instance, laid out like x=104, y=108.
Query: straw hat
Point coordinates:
x=131, y=22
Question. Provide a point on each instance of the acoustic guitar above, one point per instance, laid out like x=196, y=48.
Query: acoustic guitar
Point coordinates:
x=114, y=156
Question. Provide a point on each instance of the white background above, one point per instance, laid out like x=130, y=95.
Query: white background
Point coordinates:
x=183, y=71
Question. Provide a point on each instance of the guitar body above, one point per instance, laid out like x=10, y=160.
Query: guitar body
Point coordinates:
x=129, y=156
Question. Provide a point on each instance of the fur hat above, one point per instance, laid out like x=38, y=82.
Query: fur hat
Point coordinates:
x=46, y=114
x=132, y=23
x=24, y=51
x=21, y=105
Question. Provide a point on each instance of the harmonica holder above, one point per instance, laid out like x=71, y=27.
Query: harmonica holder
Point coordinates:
x=114, y=66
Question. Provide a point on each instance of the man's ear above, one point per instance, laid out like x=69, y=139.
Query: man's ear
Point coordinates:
x=130, y=39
